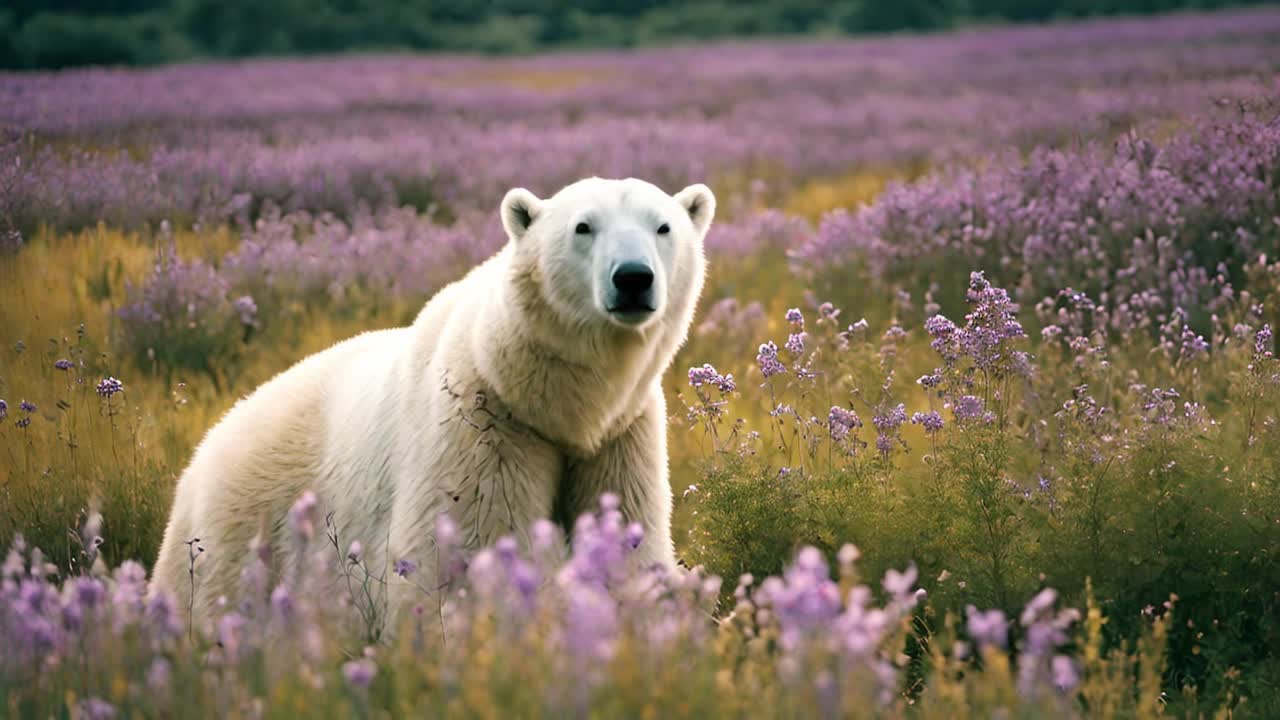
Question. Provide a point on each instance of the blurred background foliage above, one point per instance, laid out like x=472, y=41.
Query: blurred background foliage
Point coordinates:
x=64, y=33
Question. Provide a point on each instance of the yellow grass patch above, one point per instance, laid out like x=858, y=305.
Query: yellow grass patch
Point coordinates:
x=511, y=74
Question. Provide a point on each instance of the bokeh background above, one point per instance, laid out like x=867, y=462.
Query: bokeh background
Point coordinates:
x=61, y=33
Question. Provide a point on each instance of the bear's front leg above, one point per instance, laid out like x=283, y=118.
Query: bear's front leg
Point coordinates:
x=632, y=466
x=491, y=476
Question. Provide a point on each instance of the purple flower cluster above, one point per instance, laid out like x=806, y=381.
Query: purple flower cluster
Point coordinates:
x=891, y=419
x=181, y=313
x=991, y=324
x=731, y=317
x=770, y=231
x=1148, y=227
x=109, y=387
x=27, y=407
x=931, y=421
x=187, y=313
x=395, y=251
x=223, y=140
x=988, y=629
x=970, y=408
x=887, y=421
x=841, y=421
x=1040, y=665
x=581, y=609
x=767, y=360
x=708, y=375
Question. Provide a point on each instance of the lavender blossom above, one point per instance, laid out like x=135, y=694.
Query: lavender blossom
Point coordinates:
x=841, y=421
x=110, y=386
x=987, y=628
x=795, y=343
x=767, y=359
x=359, y=674
x=931, y=421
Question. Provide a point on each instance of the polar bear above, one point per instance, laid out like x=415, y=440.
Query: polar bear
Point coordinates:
x=525, y=389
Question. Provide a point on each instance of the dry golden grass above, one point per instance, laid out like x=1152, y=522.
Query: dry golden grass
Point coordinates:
x=511, y=74
x=63, y=293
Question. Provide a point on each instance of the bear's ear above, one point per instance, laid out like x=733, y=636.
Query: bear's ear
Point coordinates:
x=519, y=209
x=700, y=203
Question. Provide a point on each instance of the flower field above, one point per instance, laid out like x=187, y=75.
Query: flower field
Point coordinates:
x=978, y=415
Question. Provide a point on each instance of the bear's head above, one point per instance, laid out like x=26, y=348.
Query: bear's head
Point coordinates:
x=619, y=256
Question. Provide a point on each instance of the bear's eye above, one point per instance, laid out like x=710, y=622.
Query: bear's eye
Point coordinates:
x=663, y=229
x=582, y=229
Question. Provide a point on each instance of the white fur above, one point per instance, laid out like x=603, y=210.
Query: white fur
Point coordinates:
x=514, y=391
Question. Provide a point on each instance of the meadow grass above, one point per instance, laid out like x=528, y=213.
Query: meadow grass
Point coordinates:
x=1118, y=447
x=928, y=501
x=65, y=290
x=122, y=457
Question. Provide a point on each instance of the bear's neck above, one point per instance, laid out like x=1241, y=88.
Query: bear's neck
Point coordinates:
x=578, y=387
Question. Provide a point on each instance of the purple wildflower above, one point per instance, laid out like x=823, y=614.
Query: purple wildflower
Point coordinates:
x=725, y=384
x=795, y=317
x=64, y=364
x=405, y=568
x=940, y=327
x=545, y=536
x=247, y=309
x=968, y=408
x=447, y=534
x=987, y=628
x=767, y=359
x=282, y=601
x=795, y=343
x=892, y=420
x=1262, y=341
x=110, y=386
x=708, y=375
x=1066, y=676
x=302, y=516
x=1193, y=344
x=359, y=674
x=159, y=674
x=705, y=375
x=901, y=584
x=27, y=406
x=94, y=708
x=230, y=631
x=634, y=535
x=1038, y=606
x=932, y=421
x=842, y=420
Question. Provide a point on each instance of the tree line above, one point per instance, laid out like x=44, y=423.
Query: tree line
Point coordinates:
x=65, y=33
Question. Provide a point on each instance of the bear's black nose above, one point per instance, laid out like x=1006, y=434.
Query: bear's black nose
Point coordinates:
x=633, y=277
